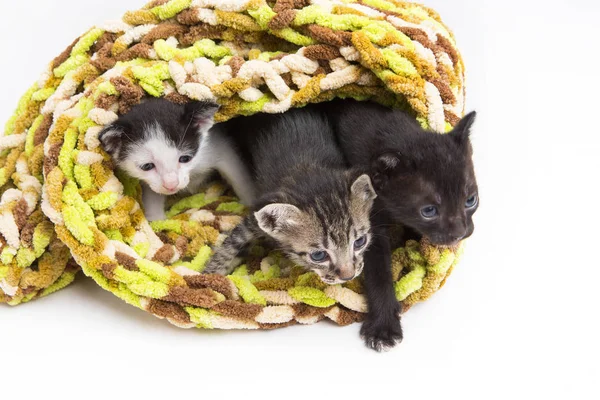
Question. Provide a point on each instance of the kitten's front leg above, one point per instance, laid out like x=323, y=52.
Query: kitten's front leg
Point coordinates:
x=154, y=204
x=238, y=176
x=381, y=329
x=222, y=260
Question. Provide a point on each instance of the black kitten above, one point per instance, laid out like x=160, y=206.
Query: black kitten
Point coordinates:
x=424, y=180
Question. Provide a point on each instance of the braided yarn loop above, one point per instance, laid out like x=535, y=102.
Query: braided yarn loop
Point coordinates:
x=64, y=207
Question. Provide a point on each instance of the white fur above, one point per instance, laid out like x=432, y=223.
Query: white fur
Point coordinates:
x=170, y=176
x=154, y=204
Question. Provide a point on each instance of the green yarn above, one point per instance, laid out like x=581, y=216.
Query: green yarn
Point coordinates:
x=65, y=160
x=311, y=296
x=196, y=201
x=199, y=262
x=7, y=255
x=71, y=64
x=86, y=41
x=141, y=284
x=232, y=207
x=43, y=94
x=151, y=78
x=75, y=225
x=400, y=65
x=168, y=225
x=410, y=283
x=31, y=134
x=25, y=257
x=102, y=201
x=200, y=317
x=142, y=249
x=83, y=176
x=247, y=290
x=154, y=270
x=272, y=272
x=170, y=9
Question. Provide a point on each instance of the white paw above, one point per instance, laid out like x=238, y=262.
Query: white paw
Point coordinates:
x=155, y=215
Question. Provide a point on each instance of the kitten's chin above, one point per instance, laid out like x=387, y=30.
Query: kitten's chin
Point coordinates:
x=445, y=242
x=165, y=192
x=334, y=281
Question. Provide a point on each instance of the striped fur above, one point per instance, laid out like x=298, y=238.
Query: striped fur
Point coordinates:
x=222, y=262
x=311, y=204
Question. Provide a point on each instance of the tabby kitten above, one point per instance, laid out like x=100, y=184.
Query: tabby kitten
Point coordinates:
x=313, y=208
x=424, y=181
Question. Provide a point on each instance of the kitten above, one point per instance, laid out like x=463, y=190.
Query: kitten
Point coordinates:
x=424, y=180
x=171, y=148
x=313, y=208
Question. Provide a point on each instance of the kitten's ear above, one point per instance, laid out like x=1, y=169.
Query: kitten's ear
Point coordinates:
x=388, y=165
x=111, y=138
x=362, y=189
x=462, y=130
x=274, y=219
x=200, y=114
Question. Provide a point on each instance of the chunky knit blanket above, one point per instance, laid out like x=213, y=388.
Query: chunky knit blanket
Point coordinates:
x=64, y=208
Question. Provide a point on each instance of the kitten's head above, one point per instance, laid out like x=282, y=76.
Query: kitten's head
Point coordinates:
x=432, y=187
x=158, y=142
x=329, y=234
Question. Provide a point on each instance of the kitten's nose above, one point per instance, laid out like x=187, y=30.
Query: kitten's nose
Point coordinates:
x=345, y=274
x=457, y=231
x=170, y=182
x=458, y=234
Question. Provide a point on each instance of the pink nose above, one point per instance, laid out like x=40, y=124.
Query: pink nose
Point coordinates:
x=345, y=273
x=171, y=185
x=170, y=181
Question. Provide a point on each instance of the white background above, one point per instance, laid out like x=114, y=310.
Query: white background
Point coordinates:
x=519, y=317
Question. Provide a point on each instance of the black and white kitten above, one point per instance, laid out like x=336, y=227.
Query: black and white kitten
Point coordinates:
x=423, y=180
x=314, y=209
x=171, y=148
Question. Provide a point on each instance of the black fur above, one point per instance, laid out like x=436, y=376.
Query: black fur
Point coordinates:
x=381, y=329
x=178, y=122
x=410, y=168
x=294, y=159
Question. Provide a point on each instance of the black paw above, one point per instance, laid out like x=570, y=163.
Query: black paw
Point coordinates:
x=381, y=335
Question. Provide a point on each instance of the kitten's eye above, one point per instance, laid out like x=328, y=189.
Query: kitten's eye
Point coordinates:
x=318, y=256
x=185, y=159
x=147, y=167
x=472, y=201
x=360, y=242
x=429, y=212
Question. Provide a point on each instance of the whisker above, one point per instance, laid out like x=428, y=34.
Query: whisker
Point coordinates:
x=377, y=212
x=186, y=130
x=379, y=235
x=124, y=132
x=381, y=226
